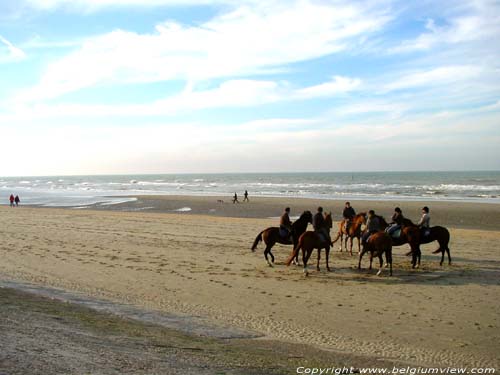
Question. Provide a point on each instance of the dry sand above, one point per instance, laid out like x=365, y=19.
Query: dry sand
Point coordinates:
x=202, y=265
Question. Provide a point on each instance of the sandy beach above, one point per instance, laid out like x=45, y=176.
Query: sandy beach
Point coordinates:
x=157, y=254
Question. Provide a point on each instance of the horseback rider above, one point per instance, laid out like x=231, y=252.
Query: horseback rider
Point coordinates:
x=319, y=225
x=425, y=221
x=286, y=224
x=396, y=221
x=373, y=225
x=348, y=214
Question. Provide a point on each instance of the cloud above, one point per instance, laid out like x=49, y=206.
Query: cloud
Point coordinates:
x=245, y=41
x=480, y=21
x=229, y=94
x=436, y=76
x=12, y=52
x=337, y=85
x=95, y=5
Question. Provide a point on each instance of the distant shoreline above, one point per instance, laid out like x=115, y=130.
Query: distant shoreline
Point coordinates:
x=464, y=215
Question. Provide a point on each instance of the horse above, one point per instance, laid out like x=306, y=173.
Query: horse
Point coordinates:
x=378, y=243
x=353, y=232
x=410, y=234
x=271, y=236
x=436, y=233
x=308, y=242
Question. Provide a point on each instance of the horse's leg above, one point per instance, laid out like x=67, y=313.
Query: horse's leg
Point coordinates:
x=449, y=256
x=388, y=255
x=304, y=260
x=442, y=255
x=359, y=244
x=296, y=259
x=381, y=261
x=327, y=254
x=268, y=251
x=351, y=239
x=361, y=257
x=371, y=260
x=319, y=256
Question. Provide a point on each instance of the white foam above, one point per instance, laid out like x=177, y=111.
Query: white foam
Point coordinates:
x=183, y=209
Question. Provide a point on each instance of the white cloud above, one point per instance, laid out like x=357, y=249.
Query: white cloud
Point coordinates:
x=436, y=76
x=337, y=85
x=12, y=53
x=245, y=41
x=94, y=5
x=480, y=21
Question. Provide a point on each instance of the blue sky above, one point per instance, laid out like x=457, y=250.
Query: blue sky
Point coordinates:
x=170, y=86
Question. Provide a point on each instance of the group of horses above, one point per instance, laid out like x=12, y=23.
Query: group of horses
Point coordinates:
x=378, y=244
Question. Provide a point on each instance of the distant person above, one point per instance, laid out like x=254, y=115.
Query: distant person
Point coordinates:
x=235, y=198
x=245, y=199
x=425, y=221
x=286, y=224
x=373, y=225
x=319, y=225
x=348, y=214
x=11, y=199
x=17, y=200
x=396, y=221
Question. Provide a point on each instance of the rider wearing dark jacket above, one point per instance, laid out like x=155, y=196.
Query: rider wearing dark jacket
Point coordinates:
x=319, y=224
x=373, y=225
x=397, y=221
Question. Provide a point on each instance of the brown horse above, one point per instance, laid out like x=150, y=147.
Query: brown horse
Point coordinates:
x=354, y=231
x=310, y=241
x=378, y=244
x=410, y=234
x=437, y=233
x=271, y=236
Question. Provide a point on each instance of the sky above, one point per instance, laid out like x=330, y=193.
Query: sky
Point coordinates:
x=200, y=86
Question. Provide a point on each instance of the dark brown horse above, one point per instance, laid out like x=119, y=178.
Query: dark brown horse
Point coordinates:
x=308, y=242
x=410, y=234
x=354, y=231
x=437, y=233
x=271, y=236
x=378, y=244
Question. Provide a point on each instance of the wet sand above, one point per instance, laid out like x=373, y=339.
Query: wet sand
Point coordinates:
x=201, y=265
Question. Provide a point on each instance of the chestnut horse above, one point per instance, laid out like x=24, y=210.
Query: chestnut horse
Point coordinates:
x=378, y=243
x=271, y=235
x=354, y=231
x=308, y=242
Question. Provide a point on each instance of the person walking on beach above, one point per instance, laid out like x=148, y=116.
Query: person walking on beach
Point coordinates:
x=11, y=199
x=348, y=215
x=286, y=225
x=17, y=200
x=245, y=199
x=235, y=198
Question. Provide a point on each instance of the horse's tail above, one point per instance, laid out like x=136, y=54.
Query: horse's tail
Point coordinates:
x=295, y=251
x=336, y=238
x=257, y=240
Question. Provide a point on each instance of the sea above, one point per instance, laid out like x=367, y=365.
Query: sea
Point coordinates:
x=82, y=191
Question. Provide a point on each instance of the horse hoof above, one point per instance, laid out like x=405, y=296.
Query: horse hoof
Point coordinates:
x=328, y=269
x=379, y=273
x=271, y=265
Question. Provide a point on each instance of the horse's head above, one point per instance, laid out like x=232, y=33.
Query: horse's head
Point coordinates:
x=308, y=216
x=359, y=218
x=328, y=220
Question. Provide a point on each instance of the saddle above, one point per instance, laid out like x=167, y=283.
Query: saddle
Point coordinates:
x=396, y=233
x=285, y=234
